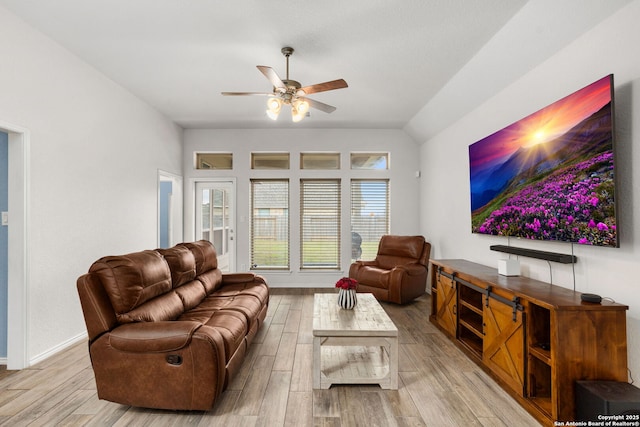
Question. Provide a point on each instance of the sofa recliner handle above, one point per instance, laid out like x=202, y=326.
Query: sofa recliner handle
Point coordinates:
x=174, y=359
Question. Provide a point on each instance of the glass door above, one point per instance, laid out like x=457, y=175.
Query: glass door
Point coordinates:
x=215, y=214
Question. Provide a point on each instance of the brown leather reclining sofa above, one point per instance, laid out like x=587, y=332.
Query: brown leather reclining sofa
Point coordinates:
x=166, y=328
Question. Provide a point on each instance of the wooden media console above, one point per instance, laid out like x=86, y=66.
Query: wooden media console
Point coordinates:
x=534, y=338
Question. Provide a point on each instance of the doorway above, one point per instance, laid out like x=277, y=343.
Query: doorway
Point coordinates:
x=215, y=216
x=17, y=253
x=4, y=242
x=169, y=209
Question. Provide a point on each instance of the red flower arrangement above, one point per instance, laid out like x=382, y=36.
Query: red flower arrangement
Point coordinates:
x=347, y=283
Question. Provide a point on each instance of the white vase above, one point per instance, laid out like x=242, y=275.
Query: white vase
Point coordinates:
x=347, y=298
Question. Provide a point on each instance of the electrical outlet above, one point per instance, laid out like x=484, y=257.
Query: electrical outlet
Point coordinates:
x=5, y=218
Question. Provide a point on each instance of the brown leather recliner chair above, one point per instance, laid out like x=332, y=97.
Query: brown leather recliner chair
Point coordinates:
x=399, y=272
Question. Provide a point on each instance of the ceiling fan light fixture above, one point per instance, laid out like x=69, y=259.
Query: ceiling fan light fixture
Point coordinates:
x=296, y=115
x=274, y=105
x=301, y=105
x=272, y=115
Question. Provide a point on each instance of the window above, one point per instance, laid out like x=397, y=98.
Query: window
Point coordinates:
x=270, y=224
x=370, y=161
x=270, y=161
x=369, y=216
x=214, y=161
x=320, y=161
x=320, y=224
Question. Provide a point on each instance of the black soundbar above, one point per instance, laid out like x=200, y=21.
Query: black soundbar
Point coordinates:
x=532, y=253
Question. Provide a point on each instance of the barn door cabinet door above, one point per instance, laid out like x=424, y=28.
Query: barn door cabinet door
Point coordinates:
x=504, y=341
x=446, y=303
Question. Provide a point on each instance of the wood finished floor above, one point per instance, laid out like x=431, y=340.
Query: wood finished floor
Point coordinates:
x=438, y=384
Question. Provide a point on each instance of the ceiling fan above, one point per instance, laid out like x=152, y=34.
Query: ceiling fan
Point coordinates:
x=291, y=92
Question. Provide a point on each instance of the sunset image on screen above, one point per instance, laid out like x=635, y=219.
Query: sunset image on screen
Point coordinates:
x=550, y=175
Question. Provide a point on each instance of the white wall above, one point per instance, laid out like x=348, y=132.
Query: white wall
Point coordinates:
x=403, y=185
x=95, y=151
x=610, y=47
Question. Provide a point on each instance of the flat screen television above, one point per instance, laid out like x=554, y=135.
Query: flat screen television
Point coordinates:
x=550, y=175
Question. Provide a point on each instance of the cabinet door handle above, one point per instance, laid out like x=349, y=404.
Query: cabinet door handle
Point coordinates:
x=455, y=309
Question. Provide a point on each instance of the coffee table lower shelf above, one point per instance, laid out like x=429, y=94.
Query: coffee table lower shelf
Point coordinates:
x=342, y=360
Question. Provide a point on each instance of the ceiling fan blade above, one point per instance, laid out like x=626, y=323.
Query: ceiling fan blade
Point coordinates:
x=270, y=74
x=319, y=105
x=322, y=87
x=247, y=93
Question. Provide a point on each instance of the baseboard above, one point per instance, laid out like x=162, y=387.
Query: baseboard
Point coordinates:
x=58, y=348
x=3, y=361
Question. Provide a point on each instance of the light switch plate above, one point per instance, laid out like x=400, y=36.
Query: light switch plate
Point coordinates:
x=5, y=218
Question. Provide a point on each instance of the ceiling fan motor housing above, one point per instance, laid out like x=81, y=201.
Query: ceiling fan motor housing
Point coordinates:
x=292, y=90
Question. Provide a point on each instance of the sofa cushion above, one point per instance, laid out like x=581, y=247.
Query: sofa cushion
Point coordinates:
x=191, y=294
x=182, y=264
x=256, y=289
x=211, y=280
x=233, y=328
x=248, y=305
x=205, y=255
x=133, y=279
x=230, y=324
x=165, y=307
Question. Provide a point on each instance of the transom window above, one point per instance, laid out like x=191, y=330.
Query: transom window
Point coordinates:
x=270, y=161
x=327, y=161
x=370, y=161
x=214, y=161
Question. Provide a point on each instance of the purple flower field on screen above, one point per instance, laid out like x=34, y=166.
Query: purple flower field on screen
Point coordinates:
x=574, y=204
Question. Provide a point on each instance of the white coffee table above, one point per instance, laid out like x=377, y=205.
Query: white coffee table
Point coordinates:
x=358, y=346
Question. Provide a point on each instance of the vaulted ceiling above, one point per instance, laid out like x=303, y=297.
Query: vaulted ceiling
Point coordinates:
x=179, y=55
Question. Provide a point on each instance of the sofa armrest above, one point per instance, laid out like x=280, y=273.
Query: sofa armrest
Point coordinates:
x=412, y=269
x=153, y=337
x=354, y=268
x=146, y=369
x=231, y=278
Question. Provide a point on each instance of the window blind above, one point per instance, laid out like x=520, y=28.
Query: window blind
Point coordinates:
x=369, y=216
x=270, y=224
x=320, y=223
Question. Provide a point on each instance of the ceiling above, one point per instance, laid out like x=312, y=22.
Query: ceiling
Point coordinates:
x=179, y=55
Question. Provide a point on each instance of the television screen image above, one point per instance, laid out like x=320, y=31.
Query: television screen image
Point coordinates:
x=550, y=175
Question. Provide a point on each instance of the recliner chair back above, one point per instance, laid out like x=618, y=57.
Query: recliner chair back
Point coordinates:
x=398, y=250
